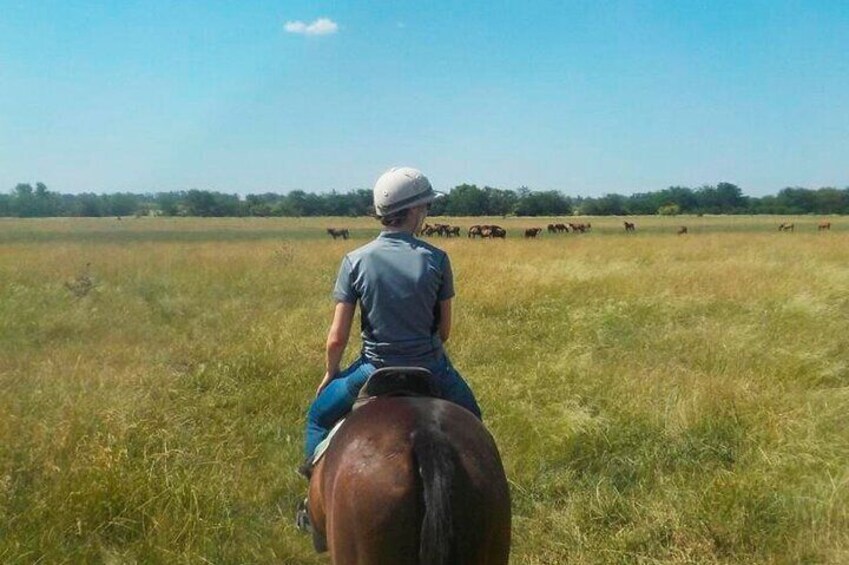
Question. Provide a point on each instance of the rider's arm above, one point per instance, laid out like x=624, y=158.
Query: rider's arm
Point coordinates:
x=444, y=319
x=337, y=340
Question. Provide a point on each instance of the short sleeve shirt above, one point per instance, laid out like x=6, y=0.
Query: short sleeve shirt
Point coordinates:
x=398, y=281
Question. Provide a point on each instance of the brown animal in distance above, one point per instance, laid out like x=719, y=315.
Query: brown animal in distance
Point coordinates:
x=343, y=233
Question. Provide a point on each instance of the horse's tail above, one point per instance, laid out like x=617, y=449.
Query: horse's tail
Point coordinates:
x=437, y=463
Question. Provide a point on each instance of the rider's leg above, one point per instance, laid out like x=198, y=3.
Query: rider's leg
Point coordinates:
x=334, y=402
x=454, y=388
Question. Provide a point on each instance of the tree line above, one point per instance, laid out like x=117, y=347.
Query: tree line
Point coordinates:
x=26, y=201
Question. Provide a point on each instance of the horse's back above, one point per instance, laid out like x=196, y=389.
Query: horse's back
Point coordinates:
x=409, y=475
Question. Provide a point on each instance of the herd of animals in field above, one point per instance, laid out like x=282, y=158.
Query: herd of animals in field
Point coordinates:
x=494, y=231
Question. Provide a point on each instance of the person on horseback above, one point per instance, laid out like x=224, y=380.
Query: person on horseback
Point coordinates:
x=404, y=288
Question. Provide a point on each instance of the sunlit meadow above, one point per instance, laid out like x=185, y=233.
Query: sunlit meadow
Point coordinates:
x=655, y=397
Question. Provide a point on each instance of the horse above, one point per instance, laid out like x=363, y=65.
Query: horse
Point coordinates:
x=785, y=226
x=682, y=230
x=343, y=233
x=410, y=480
x=532, y=232
x=474, y=231
x=824, y=226
x=552, y=228
x=630, y=226
x=453, y=231
x=494, y=231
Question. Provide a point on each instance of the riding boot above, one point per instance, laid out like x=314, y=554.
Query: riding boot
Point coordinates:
x=305, y=468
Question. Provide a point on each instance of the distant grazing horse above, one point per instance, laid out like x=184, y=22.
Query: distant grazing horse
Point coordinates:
x=786, y=227
x=411, y=480
x=532, y=232
x=475, y=231
x=561, y=228
x=442, y=230
x=343, y=233
x=493, y=231
x=629, y=226
x=453, y=231
x=682, y=230
x=552, y=228
x=824, y=226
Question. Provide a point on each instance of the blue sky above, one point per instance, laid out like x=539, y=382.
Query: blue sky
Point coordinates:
x=585, y=97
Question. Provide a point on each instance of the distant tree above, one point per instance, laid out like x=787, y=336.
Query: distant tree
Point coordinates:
x=607, y=205
x=121, y=204
x=5, y=205
x=796, y=200
x=645, y=203
x=89, y=205
x=499, y=202
x=829, y=200
x=546, y=203
x=169, y=202
x=466, y=200
x=23, y=203
x=670, y=209
x=200, y=203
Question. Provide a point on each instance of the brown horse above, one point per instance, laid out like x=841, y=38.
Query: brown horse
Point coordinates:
x=630, y=226
x=343, y=233
x=497, y=231
x=786, y=227
x=411, y=480
x=682, y=230
x=532, y=232
x=824, y=226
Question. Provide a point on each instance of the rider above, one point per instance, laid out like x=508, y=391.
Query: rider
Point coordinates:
x=404, y=287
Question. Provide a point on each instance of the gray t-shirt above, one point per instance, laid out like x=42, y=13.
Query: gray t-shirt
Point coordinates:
x=399, y=281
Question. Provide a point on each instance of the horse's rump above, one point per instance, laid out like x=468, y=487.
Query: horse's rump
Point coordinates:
x=412, y=480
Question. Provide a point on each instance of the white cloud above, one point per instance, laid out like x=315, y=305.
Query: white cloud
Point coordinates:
x=321, y=26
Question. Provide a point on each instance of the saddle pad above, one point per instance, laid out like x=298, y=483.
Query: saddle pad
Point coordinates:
x=325, y=443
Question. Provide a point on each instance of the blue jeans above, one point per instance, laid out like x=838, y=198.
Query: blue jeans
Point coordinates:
x=337, y=398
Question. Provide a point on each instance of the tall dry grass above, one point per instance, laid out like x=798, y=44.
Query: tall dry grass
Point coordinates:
x=655, y=398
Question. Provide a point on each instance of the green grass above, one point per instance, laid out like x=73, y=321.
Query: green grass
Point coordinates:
x=655, y=398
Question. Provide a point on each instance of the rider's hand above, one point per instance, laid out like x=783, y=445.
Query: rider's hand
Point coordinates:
x=324, y=382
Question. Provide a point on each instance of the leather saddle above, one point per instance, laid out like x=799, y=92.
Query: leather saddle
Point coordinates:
x=397, y=381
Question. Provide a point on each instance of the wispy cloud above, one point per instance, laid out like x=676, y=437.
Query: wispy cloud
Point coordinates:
x=321, y=26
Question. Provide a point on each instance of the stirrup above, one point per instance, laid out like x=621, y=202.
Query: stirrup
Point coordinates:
x=302, y=517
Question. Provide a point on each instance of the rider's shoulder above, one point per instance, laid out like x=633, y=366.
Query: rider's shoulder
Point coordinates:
x=363, y=250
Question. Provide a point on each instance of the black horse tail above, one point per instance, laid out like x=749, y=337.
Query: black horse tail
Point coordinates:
x=438, y=465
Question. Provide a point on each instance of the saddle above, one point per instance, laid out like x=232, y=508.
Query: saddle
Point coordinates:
x=388, y=381
x=396, y=381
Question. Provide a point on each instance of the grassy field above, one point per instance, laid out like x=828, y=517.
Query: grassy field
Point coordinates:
x=656, y=398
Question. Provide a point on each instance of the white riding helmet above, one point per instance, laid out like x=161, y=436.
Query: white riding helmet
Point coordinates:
x=400, y=188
